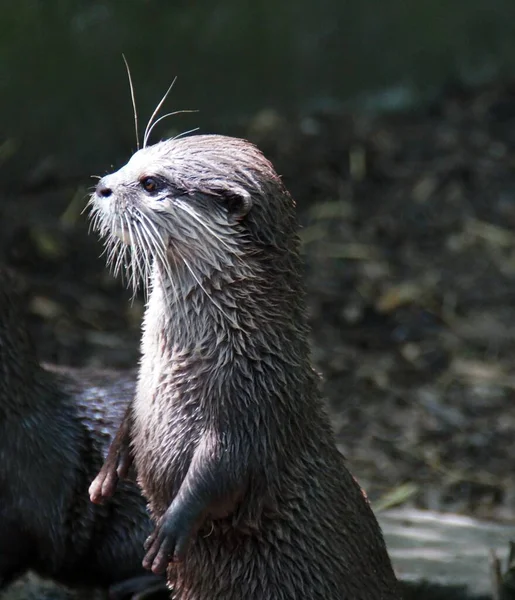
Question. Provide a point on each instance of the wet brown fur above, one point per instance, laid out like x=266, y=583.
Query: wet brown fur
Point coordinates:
x=232, y=446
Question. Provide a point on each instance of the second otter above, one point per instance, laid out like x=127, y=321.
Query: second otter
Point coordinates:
x=231, y=443
x=55, y=427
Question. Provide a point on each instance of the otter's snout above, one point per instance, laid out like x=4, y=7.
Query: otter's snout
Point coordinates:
x=103, y=190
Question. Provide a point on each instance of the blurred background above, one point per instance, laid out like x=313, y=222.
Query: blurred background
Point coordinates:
x=392, y=124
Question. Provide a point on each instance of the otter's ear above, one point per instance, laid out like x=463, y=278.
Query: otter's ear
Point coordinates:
x=238, y=202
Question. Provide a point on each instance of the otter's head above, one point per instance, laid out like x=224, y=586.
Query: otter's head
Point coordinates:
x=204, y=201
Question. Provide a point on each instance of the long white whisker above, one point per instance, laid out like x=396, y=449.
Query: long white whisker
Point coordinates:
x=114, y=249
x=157, y=243
x=147, y=243
x=90, y=204
x=185, y=133
x=135, y=265
x=144, y=245
x=130, y=267
x=119, y=248
x=94, y=218
x=170, y=114
x=110, y=252
x=141, y=251
x=133, y=98
x=156, y=111
x=157, y=238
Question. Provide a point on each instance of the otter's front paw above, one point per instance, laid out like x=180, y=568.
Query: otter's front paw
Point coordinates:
x=103, y=486
x=167, y=543
x=115, y=467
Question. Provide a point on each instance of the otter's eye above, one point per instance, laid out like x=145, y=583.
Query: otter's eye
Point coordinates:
x=149, y=184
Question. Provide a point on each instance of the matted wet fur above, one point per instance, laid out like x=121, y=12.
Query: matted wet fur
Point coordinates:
x=231, y=443
x=55, y=427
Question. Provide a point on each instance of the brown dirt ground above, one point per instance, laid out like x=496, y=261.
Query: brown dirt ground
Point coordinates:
x=408, y=230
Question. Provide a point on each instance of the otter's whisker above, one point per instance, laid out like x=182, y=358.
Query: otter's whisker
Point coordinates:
x=156, y=243
x=119, y=250
x=91, y=205
x=147, y=257
x=148, y=244
x=96, y=223
x=120, y=260
x=93, y=220
x=179, y=135
x=105, y=252
x=142, y=254
x=133, y=98
x=135, y=265
x=170, y=114
x=114, y=255
x=150, y=247
x=156, y=111
x=154, y=235
x=146, y=247
x=130, y=268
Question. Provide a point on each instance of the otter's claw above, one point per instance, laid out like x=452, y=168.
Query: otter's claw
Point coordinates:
x=167, y=543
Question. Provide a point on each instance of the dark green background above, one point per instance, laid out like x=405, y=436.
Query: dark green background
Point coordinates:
x=64, y=97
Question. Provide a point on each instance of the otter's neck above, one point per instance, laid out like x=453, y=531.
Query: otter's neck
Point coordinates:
x=253, y=307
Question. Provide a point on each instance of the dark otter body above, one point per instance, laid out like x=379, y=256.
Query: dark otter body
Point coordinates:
x=55, y=427
x=231, y=443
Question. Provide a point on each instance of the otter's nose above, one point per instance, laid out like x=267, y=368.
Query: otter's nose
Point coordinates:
x=103, y=190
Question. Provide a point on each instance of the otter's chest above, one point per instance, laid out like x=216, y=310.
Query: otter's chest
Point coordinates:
x=167, y=425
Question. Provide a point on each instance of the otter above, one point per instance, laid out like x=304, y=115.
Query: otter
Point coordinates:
x=230, y=440
x=56, y=424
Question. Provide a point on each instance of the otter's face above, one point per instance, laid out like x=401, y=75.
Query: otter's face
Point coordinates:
x=201, y=201
x=120, y=196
